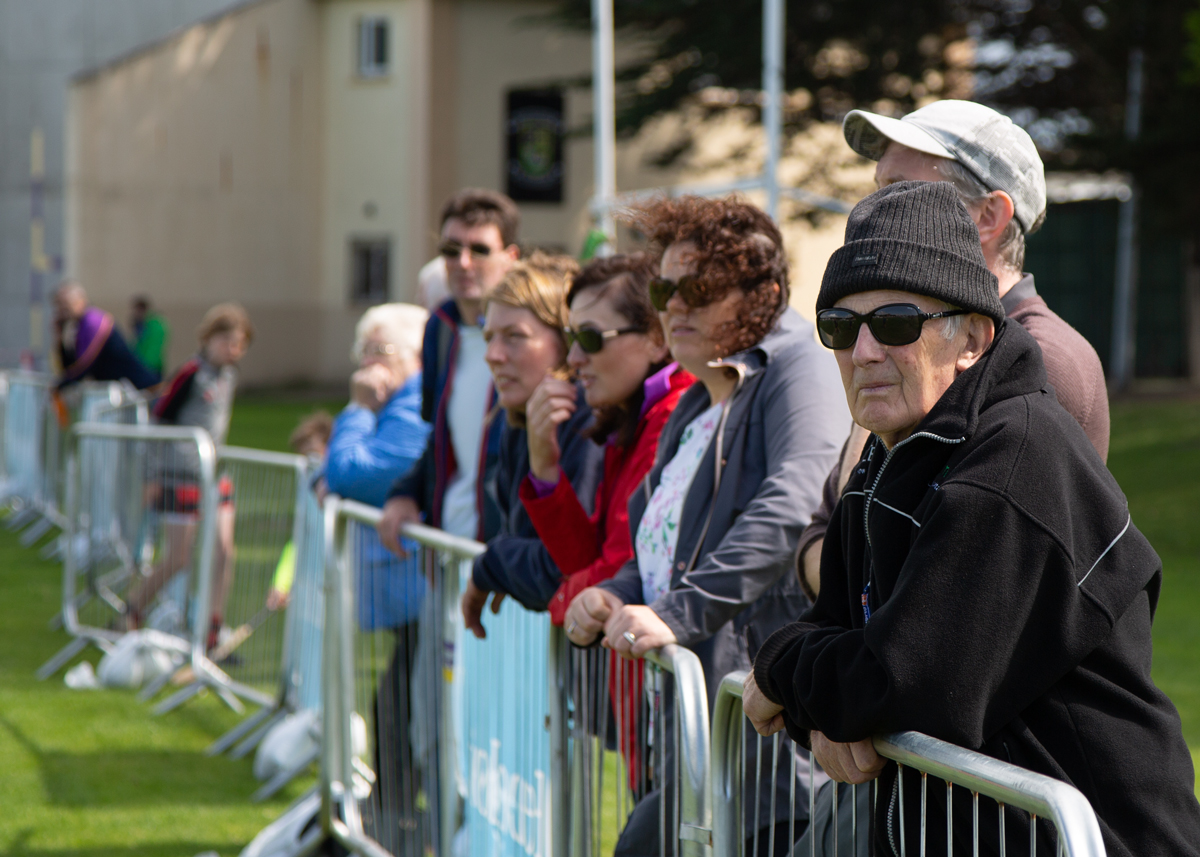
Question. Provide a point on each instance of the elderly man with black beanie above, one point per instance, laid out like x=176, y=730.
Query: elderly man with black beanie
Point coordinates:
x=981, y=581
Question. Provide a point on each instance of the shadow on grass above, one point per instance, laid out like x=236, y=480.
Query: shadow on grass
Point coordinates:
x=132, y=777
x=20, y=848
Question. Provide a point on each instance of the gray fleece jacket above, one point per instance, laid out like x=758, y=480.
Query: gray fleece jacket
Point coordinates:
x=732, y=585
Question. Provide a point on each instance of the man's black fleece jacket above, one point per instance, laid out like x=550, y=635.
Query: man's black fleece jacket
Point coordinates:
x=1010, y=601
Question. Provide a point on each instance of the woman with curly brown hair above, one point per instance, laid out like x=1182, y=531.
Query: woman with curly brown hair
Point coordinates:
x=740, y=468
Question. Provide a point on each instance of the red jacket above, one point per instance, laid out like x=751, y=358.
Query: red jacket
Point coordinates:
x=588, y=550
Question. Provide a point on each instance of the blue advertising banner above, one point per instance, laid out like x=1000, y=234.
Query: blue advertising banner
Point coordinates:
x=501, y=685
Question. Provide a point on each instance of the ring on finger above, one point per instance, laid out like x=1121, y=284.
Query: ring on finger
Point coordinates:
x=630, y=637
x=571, y=630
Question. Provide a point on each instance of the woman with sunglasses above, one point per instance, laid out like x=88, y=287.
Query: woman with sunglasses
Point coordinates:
x=621, y=359
x=524, y=330
x=740, y=468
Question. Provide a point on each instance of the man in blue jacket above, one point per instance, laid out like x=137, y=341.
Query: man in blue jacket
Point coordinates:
x=479, y=244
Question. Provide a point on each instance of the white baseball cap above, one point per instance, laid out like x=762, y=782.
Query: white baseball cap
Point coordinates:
x=991, y=146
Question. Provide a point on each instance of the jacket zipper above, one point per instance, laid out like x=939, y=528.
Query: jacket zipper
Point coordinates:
x=869, y=493
x=740, y=368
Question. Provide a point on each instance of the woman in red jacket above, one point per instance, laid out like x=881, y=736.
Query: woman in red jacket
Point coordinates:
x=619, y=355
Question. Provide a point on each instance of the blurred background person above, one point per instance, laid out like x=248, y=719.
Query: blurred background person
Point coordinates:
x=479, y=245
x=150, y=335
x=310, y=439
x=89, y=344
x=740, y=467
x=526, y=344
x=379, y=436
x=199, y=394
x=432, y=290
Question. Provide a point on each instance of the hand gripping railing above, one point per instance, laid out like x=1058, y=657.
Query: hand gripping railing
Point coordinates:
x=348, y=784
x=1010, y=786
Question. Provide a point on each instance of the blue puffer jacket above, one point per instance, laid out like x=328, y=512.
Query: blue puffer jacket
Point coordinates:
x=366, y=454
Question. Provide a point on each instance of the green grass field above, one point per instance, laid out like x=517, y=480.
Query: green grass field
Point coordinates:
x=94, y=774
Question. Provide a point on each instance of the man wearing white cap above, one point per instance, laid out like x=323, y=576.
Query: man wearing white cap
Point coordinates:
x=994, y=166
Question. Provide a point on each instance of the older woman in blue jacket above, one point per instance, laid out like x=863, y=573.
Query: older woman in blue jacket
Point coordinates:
x=378, y=437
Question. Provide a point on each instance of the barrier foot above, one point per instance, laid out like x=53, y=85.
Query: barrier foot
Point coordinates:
x=250, y=724
x=284, y=777
x=178, y=698
x=251, y=741
x=31, y=536
x=228, y=697
x=60, y=660
x=151, y=690
x=19, y=520
x=53, y=552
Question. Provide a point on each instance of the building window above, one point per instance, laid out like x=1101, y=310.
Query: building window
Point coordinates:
x=370, y=270
x=372, y=47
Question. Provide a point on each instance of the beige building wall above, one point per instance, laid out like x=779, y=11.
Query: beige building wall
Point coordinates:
x=240, y=158
x=376, y=144
x=194, y=177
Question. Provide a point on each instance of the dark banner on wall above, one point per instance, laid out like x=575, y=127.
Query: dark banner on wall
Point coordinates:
x=535, y=145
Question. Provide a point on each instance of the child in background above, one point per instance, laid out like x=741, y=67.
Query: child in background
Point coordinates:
x=199, y=394
x=310, y=439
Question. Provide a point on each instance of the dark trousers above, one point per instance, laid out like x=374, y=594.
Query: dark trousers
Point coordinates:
x=392, y=818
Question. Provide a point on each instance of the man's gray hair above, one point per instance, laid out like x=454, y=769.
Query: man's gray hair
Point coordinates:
x=973, y=192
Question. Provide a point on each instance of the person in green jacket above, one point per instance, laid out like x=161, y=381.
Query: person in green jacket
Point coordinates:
x=150, y=334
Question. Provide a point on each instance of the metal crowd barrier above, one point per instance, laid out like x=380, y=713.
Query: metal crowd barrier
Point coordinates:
x=298, y=580
x=1051, y=808
x=638, y=742
x=259, y=512
x=25, y=410
x=134, y=467
x=390, y=625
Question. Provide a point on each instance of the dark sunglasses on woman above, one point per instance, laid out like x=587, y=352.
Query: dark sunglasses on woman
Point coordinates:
x=690, y=288
x=592, y=340
x=891, y=324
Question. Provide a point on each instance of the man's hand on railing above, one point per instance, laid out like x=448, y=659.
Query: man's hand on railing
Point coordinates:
x=587, y=613
x=765, y=716
x=635, y=629
x=847, y=763
x=473, y=601
x=397, y=512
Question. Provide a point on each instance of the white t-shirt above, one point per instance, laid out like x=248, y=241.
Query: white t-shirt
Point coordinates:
x=658, y=531
x=469, y=399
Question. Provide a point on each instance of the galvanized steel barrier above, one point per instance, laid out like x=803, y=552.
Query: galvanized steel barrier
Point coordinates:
x=638, y=736
x=1046, y=802
x=103, y=565
x=260, y=519
x=381, y=794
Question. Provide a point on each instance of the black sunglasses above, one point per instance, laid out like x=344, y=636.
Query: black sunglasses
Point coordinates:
x=453, y=250
x=592, y=340
x=690, y=287
x=892, y=324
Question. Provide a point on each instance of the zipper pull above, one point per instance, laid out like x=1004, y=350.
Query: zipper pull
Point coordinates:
x=866, y=602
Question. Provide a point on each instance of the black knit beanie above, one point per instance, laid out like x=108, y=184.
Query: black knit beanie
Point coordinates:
x=913, y=237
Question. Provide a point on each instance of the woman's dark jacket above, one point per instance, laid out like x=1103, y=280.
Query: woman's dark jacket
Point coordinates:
x=1010, y=600
x=516, y=561
x=733, y=583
